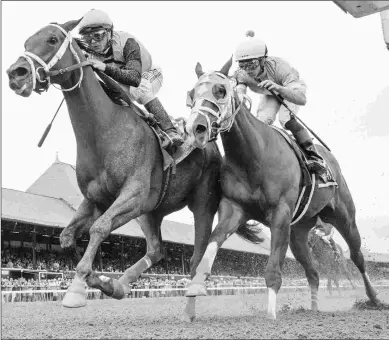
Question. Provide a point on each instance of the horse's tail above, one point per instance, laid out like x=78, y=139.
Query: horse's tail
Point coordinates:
x=249, y=233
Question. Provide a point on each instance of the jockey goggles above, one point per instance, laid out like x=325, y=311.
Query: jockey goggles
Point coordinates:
x=96, y=36
x=249, y=65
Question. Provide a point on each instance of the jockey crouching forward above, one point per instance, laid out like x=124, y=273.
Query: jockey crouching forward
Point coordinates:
x=124, y=58
x=326, y=232
x=259, y=72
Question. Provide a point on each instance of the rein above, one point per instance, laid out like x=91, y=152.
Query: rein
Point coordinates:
x=30, y=57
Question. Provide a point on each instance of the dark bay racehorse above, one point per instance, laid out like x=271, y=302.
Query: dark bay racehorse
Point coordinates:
x=261, y=179
x=325, y=261
x=119, y=163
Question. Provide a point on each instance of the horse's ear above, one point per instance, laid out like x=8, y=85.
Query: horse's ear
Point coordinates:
x=70, y=25
x=226, y=67
x=199, y=70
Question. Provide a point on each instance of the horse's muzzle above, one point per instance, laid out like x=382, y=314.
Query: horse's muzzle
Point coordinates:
x=19, y=75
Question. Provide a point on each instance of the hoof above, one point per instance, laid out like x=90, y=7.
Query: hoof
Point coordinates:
x=118, y=290
x=189, y=318
x=373, y=297
x=190, y=310
x=314, y=307
x=110, y=287
x=196, y=289
x=74, y=300
x=271, y=316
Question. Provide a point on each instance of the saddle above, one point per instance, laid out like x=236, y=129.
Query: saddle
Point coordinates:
x=309, y=181
x=119, y=96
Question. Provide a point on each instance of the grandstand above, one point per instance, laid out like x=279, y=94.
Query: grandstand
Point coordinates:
x=33, y=220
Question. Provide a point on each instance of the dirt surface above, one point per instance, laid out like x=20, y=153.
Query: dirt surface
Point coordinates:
x=218, y=317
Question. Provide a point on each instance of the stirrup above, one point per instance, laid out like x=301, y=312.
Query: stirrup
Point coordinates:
x=317, y=167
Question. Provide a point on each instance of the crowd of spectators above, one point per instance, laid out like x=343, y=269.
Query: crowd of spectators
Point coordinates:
x=227, y=263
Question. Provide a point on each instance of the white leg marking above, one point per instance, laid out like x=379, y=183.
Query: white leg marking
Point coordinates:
x=272, y=303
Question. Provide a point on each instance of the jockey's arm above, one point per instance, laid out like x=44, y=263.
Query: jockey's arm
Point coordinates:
x=131, y=73
x=293, y=88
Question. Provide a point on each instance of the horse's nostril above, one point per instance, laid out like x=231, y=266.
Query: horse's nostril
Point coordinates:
x=200, y=128
x=19, y=72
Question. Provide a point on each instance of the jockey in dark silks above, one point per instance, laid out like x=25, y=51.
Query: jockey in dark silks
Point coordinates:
x=124, y=58
x=260, y=72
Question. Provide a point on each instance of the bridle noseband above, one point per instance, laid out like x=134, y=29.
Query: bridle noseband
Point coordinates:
x=47, y=66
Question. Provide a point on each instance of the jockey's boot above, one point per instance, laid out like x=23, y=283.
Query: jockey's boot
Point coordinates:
x=315, y=161
x=155, y=107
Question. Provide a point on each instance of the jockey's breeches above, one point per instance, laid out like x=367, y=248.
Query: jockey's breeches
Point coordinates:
x=269, y=107
x=150, y=84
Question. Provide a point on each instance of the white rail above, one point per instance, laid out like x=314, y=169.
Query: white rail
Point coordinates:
x=177, y=289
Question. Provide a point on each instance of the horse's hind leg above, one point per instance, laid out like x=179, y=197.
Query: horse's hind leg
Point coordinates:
x=336, y=281
x=343, y=219
x=300, y=250
x=329, y=285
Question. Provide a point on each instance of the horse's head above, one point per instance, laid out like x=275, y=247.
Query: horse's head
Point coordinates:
x=212, y=105
x=47, y=53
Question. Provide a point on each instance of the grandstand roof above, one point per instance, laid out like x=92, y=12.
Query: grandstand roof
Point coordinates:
x=56, y=212
x=59, y=181
x=35, y=209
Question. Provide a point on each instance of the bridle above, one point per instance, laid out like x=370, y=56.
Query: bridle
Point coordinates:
x=46, y=67
x=229, y=104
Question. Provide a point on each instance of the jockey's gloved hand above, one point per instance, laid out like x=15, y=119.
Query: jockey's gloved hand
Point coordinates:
x=241, y=76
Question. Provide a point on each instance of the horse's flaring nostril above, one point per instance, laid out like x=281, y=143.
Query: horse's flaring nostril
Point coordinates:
x=19, y=72
x=200, y=128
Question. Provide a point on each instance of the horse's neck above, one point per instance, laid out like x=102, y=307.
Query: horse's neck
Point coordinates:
x=247, y=139
x=90, y=109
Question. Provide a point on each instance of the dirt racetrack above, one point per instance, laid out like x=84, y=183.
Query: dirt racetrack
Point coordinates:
x=218, y=317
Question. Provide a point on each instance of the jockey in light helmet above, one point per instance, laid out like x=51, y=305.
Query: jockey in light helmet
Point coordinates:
x=125, y=59
x=277, y=75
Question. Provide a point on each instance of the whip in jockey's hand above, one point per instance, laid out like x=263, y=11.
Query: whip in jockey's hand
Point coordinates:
x=260, y=73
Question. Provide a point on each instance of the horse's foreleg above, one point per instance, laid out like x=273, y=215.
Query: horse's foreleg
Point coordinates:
x=126, y=207
x=85, y=216
x=151, y=227
x=280, y=230
x=300, y=250
x=230, y=218
x=203, y=204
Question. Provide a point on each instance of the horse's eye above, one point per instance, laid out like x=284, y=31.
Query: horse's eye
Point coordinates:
x=52, y=40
